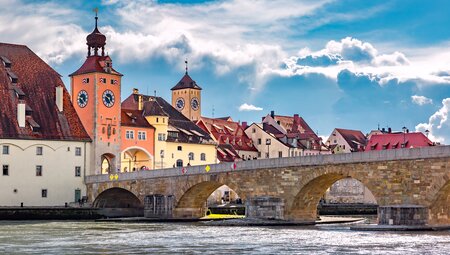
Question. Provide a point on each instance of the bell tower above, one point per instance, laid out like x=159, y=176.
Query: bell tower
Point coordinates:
x=96, y=98
x=186, y=97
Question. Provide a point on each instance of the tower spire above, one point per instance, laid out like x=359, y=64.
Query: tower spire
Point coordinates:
x=96, y=16
x=186, y=62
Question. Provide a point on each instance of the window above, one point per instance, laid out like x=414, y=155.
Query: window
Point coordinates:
x=5, y=150
x=191, y=156
x=259, y=140
x=129, y=134
x=179, y=163
x=5, y=170
x=161, y=137
x=280, y=154
x=44, y=192
x=267, y=155
x=39, y=150
x=38, y=170
x=179, y=148
x=102, y=80
x=77, y=151
x=85, y=80
x=157, y=120
x=142, y=135
x=203, y=157
x=254, y=130
x=259, y=154
x=77, y=171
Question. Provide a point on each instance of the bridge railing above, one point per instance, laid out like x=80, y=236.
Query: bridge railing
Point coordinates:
x=343, y=158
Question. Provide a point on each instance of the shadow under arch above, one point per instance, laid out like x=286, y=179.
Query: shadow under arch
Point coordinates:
x=117, y=198
x=304, y=205
x=439, y=210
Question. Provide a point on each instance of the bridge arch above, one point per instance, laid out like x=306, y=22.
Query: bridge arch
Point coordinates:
x=304, y=205
x=439, y=209
x=193, y=200
x=117, y=198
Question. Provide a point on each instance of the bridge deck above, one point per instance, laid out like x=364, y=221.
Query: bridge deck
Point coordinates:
x=317, y=160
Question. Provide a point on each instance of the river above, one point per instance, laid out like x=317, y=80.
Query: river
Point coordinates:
x=87, y=237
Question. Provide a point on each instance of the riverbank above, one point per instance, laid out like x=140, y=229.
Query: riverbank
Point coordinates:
x=49, y=213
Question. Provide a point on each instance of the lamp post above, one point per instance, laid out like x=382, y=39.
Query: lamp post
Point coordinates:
x=404, y=137
x=268, y=141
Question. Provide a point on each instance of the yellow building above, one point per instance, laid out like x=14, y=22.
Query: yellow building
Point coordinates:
x=178, y=141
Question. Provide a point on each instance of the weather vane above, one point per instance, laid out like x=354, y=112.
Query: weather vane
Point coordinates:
x=186, y=62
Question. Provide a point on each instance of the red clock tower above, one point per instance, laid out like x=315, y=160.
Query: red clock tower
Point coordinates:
x=96, y=98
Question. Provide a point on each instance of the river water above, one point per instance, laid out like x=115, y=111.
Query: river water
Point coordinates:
x=87, y=237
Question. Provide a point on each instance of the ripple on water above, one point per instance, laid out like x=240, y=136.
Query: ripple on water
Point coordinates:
x=86, y=237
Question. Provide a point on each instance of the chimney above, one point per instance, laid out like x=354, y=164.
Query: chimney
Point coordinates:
x=140, y=103
x=389, y=130
x=272, y=114
x=59, y=98
x=135, y=91
x=244, y=125
x=21, y=114
x=383, y=130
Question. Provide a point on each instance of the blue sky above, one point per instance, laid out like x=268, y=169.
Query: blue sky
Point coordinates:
x=349, y=63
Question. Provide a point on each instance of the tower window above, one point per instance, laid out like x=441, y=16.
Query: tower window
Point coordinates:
x=5, y=150
x=179, y=148
x=77, y=171
x=77, y=151
x=39, y=150
x=5, y=170
x=44, y=192
x=38, y=170
x=85, y=80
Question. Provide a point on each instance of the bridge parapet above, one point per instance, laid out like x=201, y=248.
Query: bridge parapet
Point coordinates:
x=313, y=160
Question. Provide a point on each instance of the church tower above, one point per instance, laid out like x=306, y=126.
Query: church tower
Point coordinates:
x=96, y=98
x=186, y=97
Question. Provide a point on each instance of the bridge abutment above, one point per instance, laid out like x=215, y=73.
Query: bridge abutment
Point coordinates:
x=405, y=215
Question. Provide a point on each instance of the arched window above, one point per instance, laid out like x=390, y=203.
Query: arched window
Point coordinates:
x=179, y=163
x=203, y=157
x=191, y=156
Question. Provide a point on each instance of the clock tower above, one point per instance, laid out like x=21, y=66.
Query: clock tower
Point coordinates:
x=186, y=97
x=96, y=98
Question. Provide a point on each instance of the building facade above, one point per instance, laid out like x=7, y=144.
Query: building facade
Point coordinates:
x=45, y=149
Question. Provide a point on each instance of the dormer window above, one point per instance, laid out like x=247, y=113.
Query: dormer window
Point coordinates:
x=6, y=62
x=12, y=76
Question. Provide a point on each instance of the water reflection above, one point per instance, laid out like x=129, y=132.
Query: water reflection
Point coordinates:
x=167, y=238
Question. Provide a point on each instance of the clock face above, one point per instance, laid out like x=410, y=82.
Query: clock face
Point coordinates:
x=108, y=98
x=82, y=98
x=194, y=104
x=180, y=103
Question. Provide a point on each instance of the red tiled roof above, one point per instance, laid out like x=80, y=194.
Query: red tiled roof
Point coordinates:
x=186, y=83
x=92, y=64
x=353, y=137
x=227, y=132
x=395, y=141
x=134, y=118
x=38, y=82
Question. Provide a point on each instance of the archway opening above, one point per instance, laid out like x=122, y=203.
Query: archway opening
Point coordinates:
x=314, y=194
x=135, y=159
x=118, y=202
x=348, y=196
x=211, y=199
x=439, y=210
x=107, y=163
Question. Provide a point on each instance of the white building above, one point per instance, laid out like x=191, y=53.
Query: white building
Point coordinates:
x=43, y=145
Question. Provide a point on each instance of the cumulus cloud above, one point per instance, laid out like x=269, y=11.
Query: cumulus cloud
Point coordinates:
x=362, y=58
x=438, y=124
x=421, y=100
x=249, y=107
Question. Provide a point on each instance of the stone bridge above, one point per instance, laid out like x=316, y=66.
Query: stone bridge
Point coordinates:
x=410, y=177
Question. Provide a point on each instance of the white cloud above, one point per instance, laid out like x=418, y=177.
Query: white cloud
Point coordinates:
x=438, y=124
x=362, y=58
x=421, y=100
x=249, y=107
